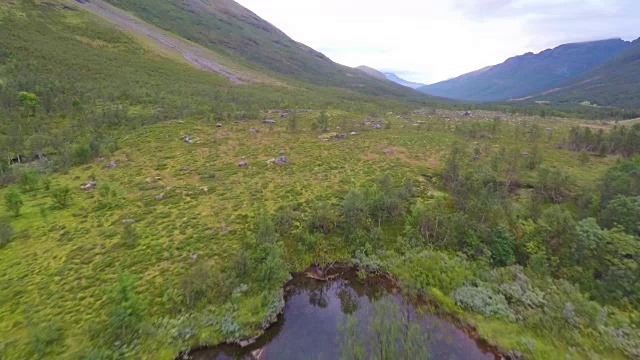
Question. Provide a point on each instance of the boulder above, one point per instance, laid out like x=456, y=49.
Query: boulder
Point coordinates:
x=160, y=197
x=376, y=126
x=281, y=160
x=88, y=185
x=270, y=122
x=218, y=125
x=254, y=131
x=243, y=164
x=340, y=136
x=354, y=133
x=388, y=151
x=110, y=165
x=187, y=139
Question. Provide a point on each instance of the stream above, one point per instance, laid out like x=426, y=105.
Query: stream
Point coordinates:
x=351, y=318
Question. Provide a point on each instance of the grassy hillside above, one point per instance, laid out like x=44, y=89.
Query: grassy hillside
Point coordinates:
x=529, y=73
x=229, y=29
x=615, y=83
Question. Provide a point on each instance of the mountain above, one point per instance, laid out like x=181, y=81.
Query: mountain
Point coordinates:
x=235, y=33
x=372, y=72
x=396, y=79
x=614, y=83
x=529, y=73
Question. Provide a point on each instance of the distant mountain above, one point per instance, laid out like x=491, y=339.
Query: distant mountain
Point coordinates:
x=393, y=77
x=372, y=72
x=614, y=83
x=529, y=73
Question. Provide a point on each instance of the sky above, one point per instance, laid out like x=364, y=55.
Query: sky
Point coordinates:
x=434, y=40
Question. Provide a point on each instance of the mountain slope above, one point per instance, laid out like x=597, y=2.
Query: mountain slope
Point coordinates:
x=614, y=83
x=235, y=33
x=529, y=73
x=396, y=79
x=372, y=72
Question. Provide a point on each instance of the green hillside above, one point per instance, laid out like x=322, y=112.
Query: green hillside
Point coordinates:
x=528, y=74
x=615, y=83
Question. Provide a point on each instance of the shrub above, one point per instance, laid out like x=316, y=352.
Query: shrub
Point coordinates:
x=418, y=272
x=61, y=197
x=6, y=234
x=13, y=201
x=482, y=300
x=28, y=180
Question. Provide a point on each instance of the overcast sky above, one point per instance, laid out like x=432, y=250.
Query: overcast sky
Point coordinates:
x=433, y=40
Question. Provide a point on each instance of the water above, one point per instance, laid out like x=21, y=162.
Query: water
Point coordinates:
x=310, y=326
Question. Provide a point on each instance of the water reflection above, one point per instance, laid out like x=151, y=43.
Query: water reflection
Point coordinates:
x=346, y=318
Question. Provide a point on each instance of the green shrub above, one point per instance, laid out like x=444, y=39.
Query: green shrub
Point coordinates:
x=61, y=197
x=13, y=201
x=6, y=234
x=418, y=272
x=28, y=180
x=483, y=301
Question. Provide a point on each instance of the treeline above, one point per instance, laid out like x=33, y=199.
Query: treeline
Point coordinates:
x=621, y=140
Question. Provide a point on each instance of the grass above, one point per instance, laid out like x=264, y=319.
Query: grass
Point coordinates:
x=61, y=264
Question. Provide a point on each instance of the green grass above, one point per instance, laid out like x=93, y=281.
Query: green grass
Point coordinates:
x=59, y=267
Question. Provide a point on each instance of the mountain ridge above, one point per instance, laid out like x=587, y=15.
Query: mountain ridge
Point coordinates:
x=529, y=73
x=398, y=80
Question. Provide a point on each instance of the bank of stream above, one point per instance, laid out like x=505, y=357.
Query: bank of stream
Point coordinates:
x=346, y=316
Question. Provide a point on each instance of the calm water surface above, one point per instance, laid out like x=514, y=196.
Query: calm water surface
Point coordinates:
x=309, y=328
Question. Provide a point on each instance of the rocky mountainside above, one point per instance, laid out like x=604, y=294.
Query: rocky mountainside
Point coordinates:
x=529, y=73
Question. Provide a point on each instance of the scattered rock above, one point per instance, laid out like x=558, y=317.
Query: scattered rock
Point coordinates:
x=160, y=197
x=270, y=122
x=476, y=158
x=98, y=160
x=284, y=116
x=421, y=122
x=548, y=130
x=254, y=131
x=184, y=169
x=467, y=114
x=194, y=257
x=243, y=164
x=128, y=221
x=388, y=151
x=88, y=185
x=281, y=160
x=340, y=136
x=218, y=125
x=282, y=152
x=354, y=133
x=524, y=153
x=514, y=355
x=376, y=126
x=187, y=139
x=110, y=165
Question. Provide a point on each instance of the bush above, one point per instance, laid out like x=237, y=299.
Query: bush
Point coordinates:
x=482, y=300
x=6, y=234
x=418, y=272
x=61, y=197
x=28, y=180
x=13, y=201
x=44, y=338
x=204, y=284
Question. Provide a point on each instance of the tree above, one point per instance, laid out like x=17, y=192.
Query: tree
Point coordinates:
x=125, y=313
x=61, y=197
x=13, y=201
x=29, y=101
x=623, y=211
x=323, y=121
x=502, y=247
x=292, y=122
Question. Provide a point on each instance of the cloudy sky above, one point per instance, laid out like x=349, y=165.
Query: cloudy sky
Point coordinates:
x=433, y=40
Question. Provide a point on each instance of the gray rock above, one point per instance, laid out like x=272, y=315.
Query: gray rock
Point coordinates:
x=187, y=139
x=524, y=153
x=270, y=122
x=340, y=136
x=388, y=152
x=88, y=185
x=160, y=197
x=218, y=125
x=354, y=133
x=282, y=152
x=376, y=126
x=243, y=164
x=110, y=165
x=281, y=160
x=254, y=131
